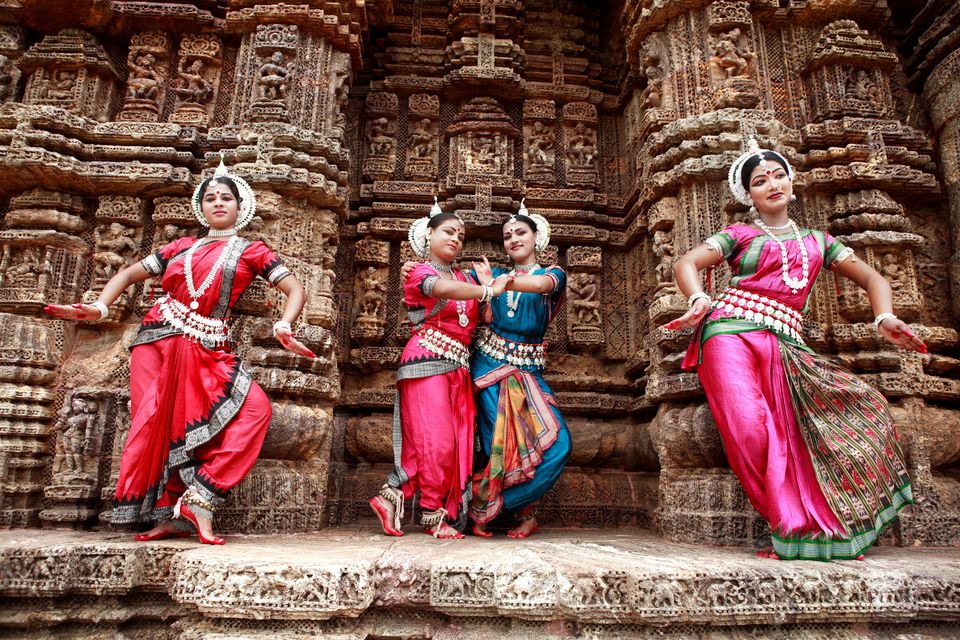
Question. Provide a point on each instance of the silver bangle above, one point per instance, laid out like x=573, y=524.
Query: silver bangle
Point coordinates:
x=281, y=324
x=102, y=308
x=880, y=318
x=696, y=296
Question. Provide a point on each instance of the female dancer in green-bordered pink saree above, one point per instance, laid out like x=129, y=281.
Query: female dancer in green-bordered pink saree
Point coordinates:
x=814, y=446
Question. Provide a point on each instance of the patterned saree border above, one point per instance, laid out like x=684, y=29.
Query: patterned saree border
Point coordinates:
x=808, y=547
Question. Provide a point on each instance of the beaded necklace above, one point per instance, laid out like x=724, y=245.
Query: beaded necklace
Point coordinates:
x=197, y=292
x=462, y=318
x=513, y=297
x=794, y=284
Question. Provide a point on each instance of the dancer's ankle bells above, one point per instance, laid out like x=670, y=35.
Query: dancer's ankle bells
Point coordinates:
x=191, y=507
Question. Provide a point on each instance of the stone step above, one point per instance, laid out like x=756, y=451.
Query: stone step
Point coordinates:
x=559, y=579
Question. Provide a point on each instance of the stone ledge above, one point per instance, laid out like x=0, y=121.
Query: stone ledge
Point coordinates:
x=579, y=576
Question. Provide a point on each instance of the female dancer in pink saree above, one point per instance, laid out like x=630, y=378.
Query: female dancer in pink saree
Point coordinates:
x=434, y=412
x=197, y=417
x=813, y=445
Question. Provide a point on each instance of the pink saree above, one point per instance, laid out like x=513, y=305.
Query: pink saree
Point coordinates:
x=814, y=446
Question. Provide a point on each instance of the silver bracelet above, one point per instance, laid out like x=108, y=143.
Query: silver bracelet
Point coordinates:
x=880, y=318
x=696, y=296
x=281, y=324
x=488, y=291
x=102, y=308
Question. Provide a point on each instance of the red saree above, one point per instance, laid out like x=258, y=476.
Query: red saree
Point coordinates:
x=197, y=417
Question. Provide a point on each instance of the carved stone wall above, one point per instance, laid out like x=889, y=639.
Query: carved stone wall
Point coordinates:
x=617, y=121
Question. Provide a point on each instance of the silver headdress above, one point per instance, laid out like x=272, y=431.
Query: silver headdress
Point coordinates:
x=419, y=231
x=740, y=192
x=543, y=227
x=246, y=207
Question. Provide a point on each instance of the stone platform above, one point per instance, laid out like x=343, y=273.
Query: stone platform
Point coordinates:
x=352, y=583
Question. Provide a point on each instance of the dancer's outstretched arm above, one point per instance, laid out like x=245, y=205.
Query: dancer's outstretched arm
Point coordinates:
x=111, y=291
x=687, y=272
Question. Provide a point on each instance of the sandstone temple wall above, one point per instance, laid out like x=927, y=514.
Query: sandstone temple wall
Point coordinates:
x=615, y=120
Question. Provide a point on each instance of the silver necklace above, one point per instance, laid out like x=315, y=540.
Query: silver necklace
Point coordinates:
x=462, y=318
x=222, y=233
x=513, y=297
x=197, y=292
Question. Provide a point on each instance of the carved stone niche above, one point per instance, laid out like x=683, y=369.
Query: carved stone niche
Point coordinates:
x=370, y=291
x=581, y=153
x=539, y=150
x=584, y=300
x=148, y=71
x=848, y=74
x=71, y=70
x=892, y=254
x=84, y=436
x=173, y=218
x=423, y=153
x=42, y=258
x=481, y=144
x=12, y=43
x=380, y=135
x=198, y=79
x=732, y=62
x=275, y=53
x=117, y=239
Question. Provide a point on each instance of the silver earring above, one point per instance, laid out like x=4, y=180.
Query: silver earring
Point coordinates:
x=793, y=197
x=753, y=210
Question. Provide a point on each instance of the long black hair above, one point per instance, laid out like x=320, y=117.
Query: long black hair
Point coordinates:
x=519, y=217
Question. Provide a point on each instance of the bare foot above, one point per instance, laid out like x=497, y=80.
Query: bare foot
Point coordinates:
x=525, y=529
x=443, y=531
x=166, y=529
x=768, y=553
x=385, y=513
x=480, y=530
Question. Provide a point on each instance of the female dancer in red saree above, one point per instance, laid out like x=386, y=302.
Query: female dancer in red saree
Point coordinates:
x=197, y=417
x=813, y=445
x=433, y=418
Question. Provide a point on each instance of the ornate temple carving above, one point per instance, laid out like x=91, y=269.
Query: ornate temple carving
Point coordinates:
x=616, y=121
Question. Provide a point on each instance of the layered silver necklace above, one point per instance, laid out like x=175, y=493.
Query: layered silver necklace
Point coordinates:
x=197, y=292
x=513, y=297
x=461, y=305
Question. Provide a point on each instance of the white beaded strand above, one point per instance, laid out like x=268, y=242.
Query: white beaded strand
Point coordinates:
x=794, y=284
x=197, y=292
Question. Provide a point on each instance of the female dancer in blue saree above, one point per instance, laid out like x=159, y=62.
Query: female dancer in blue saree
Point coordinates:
x=525, y=439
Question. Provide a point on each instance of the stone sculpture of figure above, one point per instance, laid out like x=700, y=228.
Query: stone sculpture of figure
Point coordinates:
x=484, y=155
x=144, y=81
x=5, y=78
x=583, y=302
x=380, y=138
x=374, y=294
x=421, y=139
x=25, y=273
x=327, y=275
x=114, y=247
x=861, y=86
x=893, y=271
x=341, y=100
x=653, y=97
x=581, y=149
x=76, y=428
x=541, y=141
x=273, y=78
x=60, y=84
x=663, y=248
x=190, y=84
x=728, y=56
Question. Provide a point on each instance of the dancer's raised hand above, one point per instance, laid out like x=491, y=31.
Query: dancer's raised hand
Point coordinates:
x=76, y=311
x=406, y=269
x=484, y=271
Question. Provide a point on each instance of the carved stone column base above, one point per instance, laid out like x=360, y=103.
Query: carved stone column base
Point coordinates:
x=740, y=92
